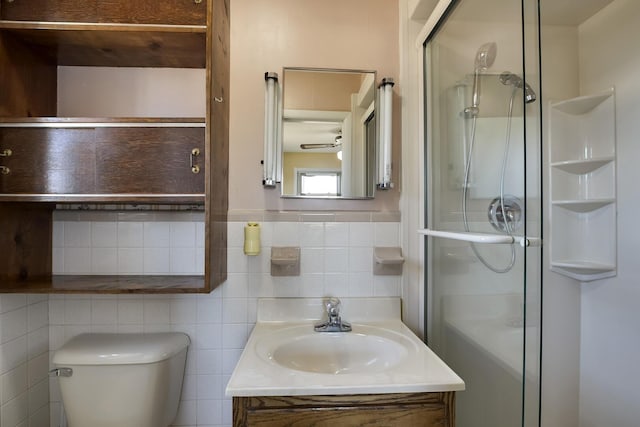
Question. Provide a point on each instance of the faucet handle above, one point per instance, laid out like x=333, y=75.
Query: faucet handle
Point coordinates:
x=333, y=306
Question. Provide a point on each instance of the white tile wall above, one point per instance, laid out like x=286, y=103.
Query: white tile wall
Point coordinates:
x=24, y=360
x=128, y=247
x=336, y=260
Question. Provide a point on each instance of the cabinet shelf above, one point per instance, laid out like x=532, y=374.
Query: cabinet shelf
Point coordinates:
x=582, y=206
x=107, y=284
x=581, y=167
x=114, y=45
x=92, y=122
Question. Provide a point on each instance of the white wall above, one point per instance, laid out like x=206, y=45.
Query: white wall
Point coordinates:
x=610, y=348
x=131, y=92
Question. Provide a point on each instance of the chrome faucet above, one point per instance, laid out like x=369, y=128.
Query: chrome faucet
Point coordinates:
x=334, y=322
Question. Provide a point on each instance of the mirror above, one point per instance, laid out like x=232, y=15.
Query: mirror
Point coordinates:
x=328, y=133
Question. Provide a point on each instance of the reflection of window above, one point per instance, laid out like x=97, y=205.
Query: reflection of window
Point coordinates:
x=318, y=182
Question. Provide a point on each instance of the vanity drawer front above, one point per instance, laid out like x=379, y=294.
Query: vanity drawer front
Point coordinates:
x=350, y=417
x=397, y=410
x=149, y=160
x=47, y=161
x=165, y=12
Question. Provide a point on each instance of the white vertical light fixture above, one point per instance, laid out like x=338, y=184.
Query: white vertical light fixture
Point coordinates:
x=272, y=131
x=385, y=114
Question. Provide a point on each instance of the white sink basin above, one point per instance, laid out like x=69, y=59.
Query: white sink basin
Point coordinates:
x=284, y=356
x=364, y=350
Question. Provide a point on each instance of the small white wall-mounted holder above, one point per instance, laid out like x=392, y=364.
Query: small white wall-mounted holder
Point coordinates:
x=252, y=239
x=387, y=261
x=285, y=261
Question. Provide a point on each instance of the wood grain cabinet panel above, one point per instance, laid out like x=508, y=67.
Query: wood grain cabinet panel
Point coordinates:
x=164, y=12
x=150, y=160
x=48, y=161
x=374, y=410
x=103, y=161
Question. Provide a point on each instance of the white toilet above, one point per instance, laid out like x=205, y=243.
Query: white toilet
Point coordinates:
x=123, y=380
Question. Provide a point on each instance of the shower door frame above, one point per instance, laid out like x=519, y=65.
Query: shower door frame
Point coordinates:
x=437, y=18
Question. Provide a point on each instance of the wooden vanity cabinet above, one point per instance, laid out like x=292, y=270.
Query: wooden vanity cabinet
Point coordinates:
x=120, y=160
x=389, y=410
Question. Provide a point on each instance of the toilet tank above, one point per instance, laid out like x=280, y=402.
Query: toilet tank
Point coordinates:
x=124, y=380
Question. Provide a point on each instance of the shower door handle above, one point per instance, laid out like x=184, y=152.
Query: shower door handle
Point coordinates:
x=488, y=238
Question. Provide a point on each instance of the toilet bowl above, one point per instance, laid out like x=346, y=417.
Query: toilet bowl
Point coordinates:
x=124, y=380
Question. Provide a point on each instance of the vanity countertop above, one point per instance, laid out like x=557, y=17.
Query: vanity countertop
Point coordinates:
x=407, y=365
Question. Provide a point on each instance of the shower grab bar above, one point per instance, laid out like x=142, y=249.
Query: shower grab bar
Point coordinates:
x=488, y=238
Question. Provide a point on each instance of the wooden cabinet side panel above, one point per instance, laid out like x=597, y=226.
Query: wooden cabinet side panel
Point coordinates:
x=217, y=140
x=29, y=80
x=25, y=239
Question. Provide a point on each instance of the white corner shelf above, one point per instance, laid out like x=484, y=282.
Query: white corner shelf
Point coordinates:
x=583, y=206
x=581, y=167
x=582, y=104
x=583, y=186
x=583, y=270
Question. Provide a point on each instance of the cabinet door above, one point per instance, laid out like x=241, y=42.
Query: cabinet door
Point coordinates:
x=149, y=160
x=170, y=12
x=47, y=161
x=49, y=10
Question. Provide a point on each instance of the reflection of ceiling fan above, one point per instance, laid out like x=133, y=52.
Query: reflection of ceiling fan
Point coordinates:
x=337, y=143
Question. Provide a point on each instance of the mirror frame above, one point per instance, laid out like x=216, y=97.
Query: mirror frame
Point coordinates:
x=372, y=166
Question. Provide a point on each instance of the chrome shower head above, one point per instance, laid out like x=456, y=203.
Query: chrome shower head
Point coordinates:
x=485, y=56
x=508, y=78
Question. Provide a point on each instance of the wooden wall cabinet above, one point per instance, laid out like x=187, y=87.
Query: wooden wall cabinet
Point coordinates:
x=49, y=159
x=396, y=410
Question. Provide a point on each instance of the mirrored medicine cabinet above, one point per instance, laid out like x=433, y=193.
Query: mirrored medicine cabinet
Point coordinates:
x=328, y=133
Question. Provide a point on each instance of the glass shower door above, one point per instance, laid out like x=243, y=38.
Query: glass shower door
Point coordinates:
x=483, y=207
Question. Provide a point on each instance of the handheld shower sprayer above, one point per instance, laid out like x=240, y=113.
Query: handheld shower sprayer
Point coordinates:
x=485, y=57
x=508, y=78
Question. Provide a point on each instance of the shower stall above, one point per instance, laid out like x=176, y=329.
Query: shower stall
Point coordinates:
x=483, y=206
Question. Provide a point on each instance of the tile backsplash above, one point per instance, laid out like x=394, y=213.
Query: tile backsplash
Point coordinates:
x=336, y=260
x=126, y=243
x=24, y=360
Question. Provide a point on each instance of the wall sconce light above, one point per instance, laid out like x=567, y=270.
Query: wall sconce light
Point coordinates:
x=272, y=172
x=385, y=113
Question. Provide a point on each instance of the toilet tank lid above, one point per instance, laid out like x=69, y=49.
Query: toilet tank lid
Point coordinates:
x=120, y=349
